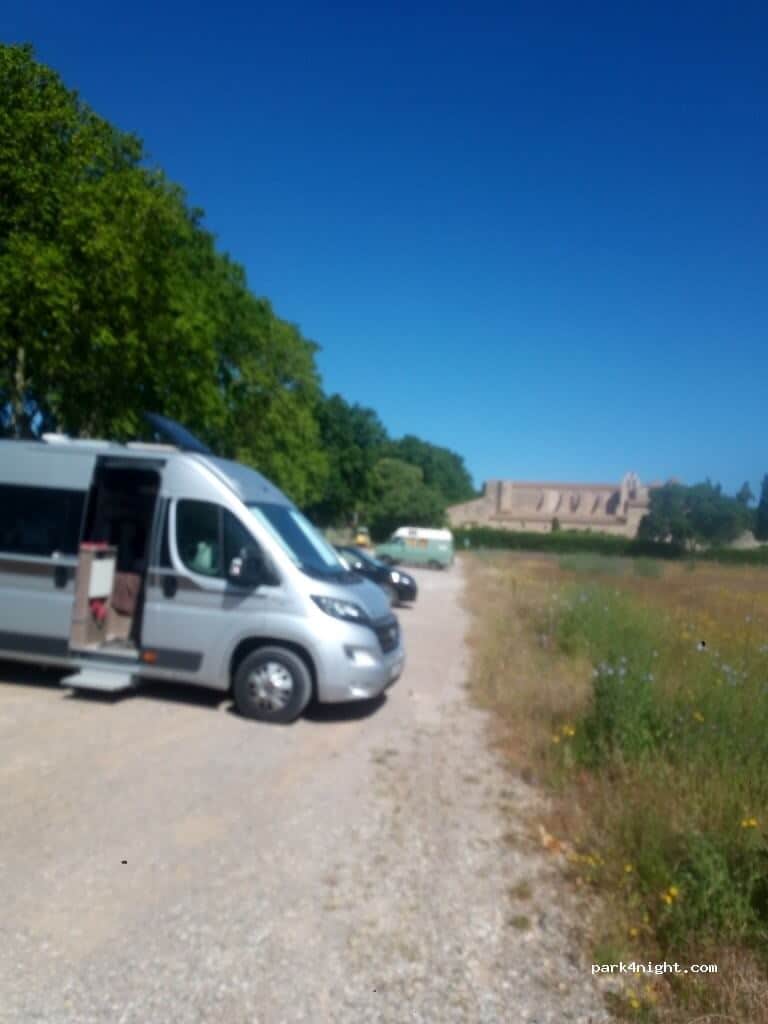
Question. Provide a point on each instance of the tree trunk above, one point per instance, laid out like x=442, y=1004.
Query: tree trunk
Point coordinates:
x=17, y=393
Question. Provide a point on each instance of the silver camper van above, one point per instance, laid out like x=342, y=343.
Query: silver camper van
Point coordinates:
x=139, y=560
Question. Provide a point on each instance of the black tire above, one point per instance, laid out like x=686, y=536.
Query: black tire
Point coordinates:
x=391, y=591
x=272, y=684
x=434, y=565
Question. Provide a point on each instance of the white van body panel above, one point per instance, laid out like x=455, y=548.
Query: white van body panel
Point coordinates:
x=418, y=545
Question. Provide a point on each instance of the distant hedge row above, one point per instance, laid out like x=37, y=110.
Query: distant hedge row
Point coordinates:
x=568, y=541
x=757, y=556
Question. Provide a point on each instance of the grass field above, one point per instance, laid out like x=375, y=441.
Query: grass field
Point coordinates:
x=637, y=691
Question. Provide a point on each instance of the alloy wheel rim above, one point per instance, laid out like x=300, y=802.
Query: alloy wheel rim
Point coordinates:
x=270, y=686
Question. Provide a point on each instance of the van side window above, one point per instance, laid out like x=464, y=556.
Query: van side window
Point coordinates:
x=198, y=537
x=238, y=542
x=40, y=520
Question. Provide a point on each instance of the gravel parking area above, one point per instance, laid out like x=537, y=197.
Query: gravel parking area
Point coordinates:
x=163, y=860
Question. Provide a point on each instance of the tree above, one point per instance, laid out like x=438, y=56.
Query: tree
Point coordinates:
x=744, y=494
x=443, y=469
x=761, y=516
x=114, y=300
x=715, y=518
x=666, y=519
x=702, y=513
x=352, y=438
x=270, y=388
x=400, y=498
x=99, y=258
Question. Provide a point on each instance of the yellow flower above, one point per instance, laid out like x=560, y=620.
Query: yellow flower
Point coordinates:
x=674, y=892
x=749, y=822
x=666, y=897
x=633, y=933
x=555, y=739
x=628, y=868
x=634, y=1002
x=698, y=716
x=568, y=730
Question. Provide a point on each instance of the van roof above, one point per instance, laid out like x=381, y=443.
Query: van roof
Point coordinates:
x=423, y=531
x=248, y=484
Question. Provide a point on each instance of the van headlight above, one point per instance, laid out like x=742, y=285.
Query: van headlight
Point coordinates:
x=346, y=610
x=395, y=576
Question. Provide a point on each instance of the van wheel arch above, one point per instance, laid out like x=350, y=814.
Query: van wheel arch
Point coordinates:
x=246, y=647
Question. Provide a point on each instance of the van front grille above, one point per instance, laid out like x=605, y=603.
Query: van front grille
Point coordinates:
x=388, y=634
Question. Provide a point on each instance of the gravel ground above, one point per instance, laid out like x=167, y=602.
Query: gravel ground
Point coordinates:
x=354, y=867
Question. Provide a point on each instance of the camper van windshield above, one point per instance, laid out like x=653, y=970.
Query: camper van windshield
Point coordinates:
x=302, y=542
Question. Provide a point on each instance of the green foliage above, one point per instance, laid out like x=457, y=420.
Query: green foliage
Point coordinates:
x=353, y=439
x=733, y=556
x=113, y=299
x=666, y=520
x=561, y=542
x=701, y=513
x=271, y=390
x=744, y=494
x=481, y=537
x=666, y=716
x=400, y=497
x=620, y=641
x=761, y=516
x=367, y=472
x=443, y=470
x=101, y=310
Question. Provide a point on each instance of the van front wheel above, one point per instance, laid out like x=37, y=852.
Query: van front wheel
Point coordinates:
x=272, y=684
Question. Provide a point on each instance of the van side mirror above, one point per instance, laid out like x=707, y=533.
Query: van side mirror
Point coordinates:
x=249, y=569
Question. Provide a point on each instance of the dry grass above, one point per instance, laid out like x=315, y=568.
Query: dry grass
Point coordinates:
x=610, y=812
x=516, y=671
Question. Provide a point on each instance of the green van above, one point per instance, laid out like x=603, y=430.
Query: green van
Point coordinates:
x=415, y=545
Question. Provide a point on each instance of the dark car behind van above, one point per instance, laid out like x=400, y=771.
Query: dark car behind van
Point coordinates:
x=399, y=586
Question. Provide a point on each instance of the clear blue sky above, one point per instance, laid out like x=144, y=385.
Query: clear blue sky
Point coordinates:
x=535, y=233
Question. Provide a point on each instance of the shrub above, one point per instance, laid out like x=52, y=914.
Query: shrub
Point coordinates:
x=573, y=541
x=683, y=732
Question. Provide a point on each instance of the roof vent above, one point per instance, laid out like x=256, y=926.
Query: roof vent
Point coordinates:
x=149, y=446
x=83, y=442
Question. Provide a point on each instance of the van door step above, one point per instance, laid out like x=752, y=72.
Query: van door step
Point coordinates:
x=104, y=679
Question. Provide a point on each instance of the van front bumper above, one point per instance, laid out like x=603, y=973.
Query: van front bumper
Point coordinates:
x=357, y=669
